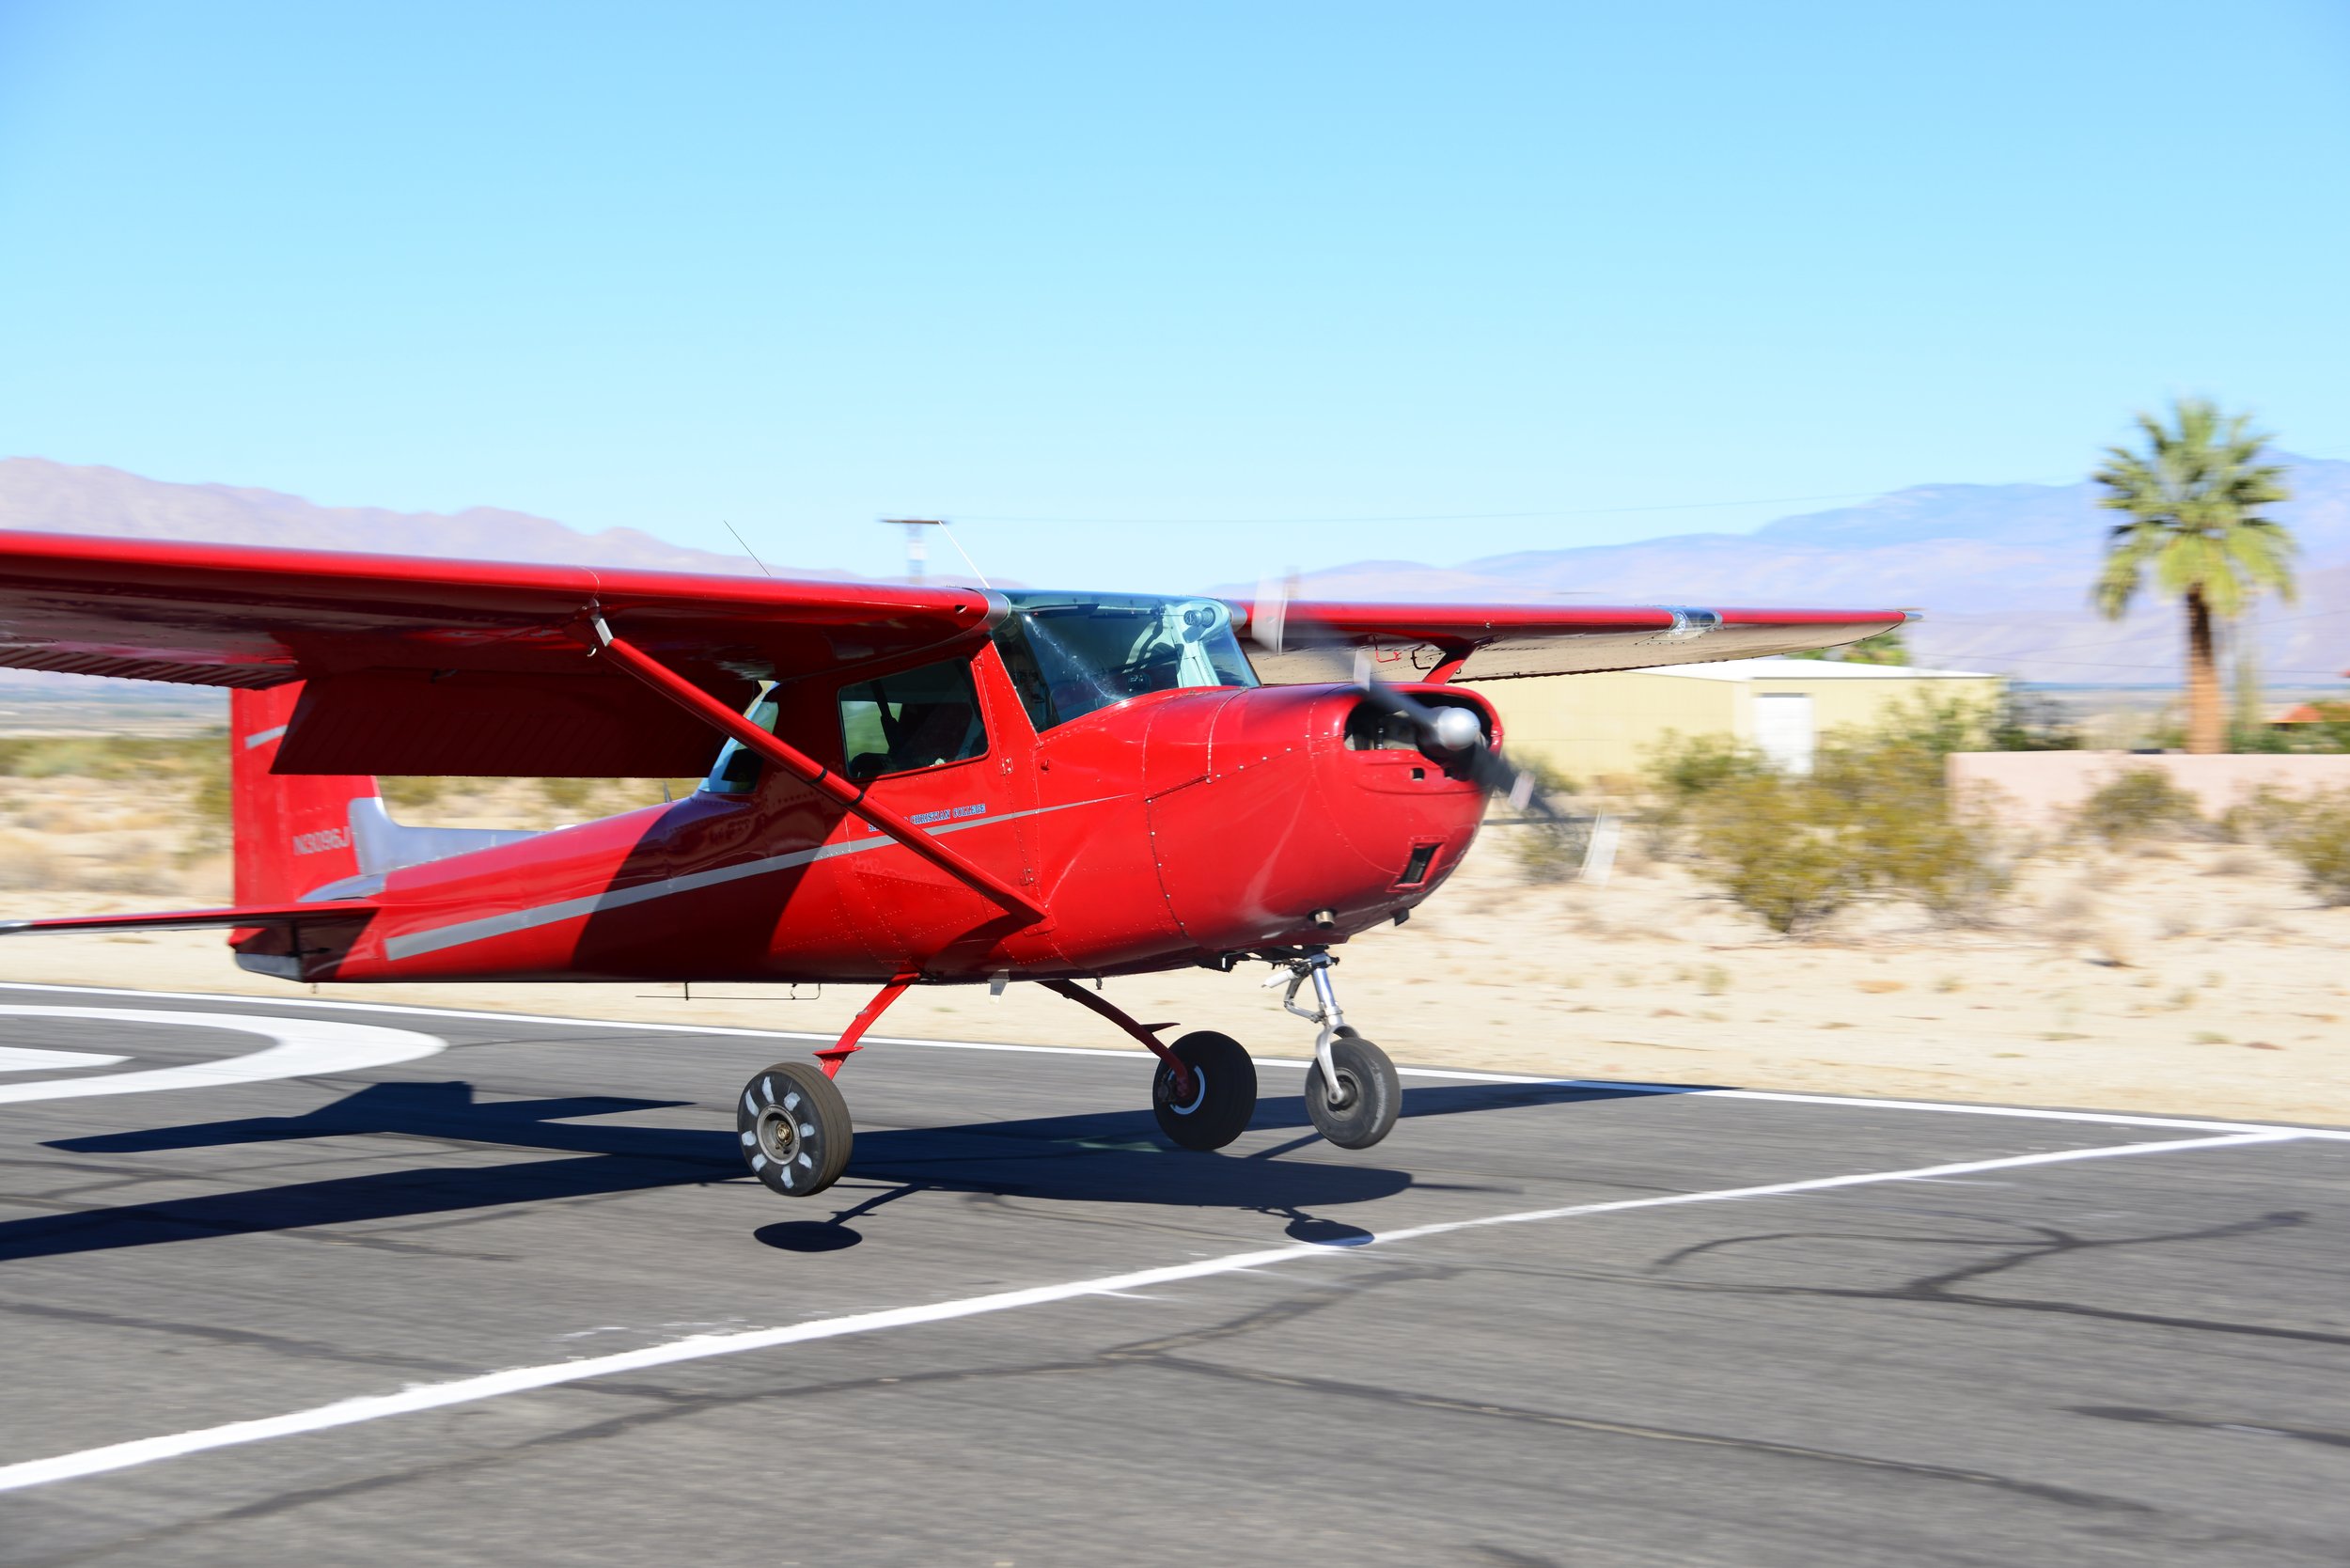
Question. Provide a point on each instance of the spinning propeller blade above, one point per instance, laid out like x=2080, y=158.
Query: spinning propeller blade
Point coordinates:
x=1449, y=734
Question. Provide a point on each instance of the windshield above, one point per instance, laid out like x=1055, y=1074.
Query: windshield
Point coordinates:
x=1070, y=653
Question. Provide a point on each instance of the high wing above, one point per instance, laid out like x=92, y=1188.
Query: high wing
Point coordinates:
x=453, y=666
x=1500, y=642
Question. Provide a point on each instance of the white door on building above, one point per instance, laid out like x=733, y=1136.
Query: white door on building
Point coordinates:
x=1782, y=730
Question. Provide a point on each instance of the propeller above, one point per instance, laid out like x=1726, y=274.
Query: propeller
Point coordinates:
x=1447, y=733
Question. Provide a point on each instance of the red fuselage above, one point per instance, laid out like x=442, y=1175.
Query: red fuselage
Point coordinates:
x=1158, y=833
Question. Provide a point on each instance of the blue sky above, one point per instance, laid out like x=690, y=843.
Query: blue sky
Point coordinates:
x=1274, y=272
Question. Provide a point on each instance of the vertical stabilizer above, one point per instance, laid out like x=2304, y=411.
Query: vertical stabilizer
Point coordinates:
x=293, y=831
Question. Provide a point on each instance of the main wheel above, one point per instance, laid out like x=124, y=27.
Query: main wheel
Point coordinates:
x=795, y=1129
x=1223, y=1091
x=1370, y=1094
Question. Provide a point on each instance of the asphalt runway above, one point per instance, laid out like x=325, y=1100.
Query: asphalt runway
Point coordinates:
x=292, y=1282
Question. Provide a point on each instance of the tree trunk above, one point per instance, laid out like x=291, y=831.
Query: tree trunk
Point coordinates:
x=2206, y=723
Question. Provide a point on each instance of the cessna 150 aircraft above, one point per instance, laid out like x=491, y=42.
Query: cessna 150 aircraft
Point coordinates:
x=910, y=785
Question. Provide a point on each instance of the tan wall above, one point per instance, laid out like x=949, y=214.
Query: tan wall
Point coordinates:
x=1591, y=726
x=2045, y=786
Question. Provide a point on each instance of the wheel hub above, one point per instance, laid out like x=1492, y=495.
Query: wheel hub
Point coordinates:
x=778, y=1135
x=1198, y=1091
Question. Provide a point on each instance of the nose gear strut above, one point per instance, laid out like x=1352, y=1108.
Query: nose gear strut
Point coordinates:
x=1351, y=1091
x=1314, y=967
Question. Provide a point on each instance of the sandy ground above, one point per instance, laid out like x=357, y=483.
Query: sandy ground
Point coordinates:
x=2185, y=977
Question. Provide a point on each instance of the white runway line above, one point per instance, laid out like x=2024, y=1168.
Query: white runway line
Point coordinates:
x=32, y=1059
x=299, y=1048
x=1947, y=1107
x=469, y=1390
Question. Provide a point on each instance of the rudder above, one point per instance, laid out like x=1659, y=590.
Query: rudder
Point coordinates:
x=293, y=832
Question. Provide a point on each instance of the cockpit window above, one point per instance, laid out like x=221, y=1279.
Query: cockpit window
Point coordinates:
x=917, y=718
x=737, y=769
x=1070, y=653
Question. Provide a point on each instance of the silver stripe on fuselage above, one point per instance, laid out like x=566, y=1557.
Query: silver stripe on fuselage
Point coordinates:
x=436, y=938
x=262, y=737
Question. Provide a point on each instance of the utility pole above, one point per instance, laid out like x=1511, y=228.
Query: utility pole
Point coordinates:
x=917, y=543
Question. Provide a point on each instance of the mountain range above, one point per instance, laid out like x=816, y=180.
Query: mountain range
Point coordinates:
x=2001, y=572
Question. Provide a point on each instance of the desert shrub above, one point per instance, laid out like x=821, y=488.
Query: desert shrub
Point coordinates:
x=567, y=794
x=2138, y=803
x=1889, y=790
x=412, y=793
x=1923, y=726
x=2025, y=721
x=1875, y=816
x=1767, y=844
x=2251, y=820
x=208, y=802
x=2312, y=831
x=25, y=862
x=1681, y=771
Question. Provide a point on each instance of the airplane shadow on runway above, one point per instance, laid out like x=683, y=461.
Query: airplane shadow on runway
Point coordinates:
x=1110, y=1156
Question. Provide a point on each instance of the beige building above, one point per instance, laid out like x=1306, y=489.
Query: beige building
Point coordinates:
x=1591, y=726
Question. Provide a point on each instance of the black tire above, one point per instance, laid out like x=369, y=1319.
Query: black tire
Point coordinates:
x=1372, y=1092
x=795, y=1129
x=1224, y=1091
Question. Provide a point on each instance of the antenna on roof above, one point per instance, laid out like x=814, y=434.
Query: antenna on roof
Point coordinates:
x=746, y=546
x=918, y=545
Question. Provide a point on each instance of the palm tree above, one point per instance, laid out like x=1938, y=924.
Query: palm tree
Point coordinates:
x=2192, y=497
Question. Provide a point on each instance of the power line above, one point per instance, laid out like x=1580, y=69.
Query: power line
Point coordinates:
x=2101, y=642
x=1448, y=516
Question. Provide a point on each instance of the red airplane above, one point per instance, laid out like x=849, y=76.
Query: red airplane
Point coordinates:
x=911, y=786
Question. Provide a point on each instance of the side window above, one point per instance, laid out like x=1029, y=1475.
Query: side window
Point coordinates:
x=736, y=771
x=916, y=719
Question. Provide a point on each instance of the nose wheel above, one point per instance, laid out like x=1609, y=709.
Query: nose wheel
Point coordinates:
x=794, y=1128
x=1360, y=1109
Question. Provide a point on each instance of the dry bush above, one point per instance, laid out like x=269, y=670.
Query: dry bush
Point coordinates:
x=141, y=869
x=567, y=794
x=2313, y=832
x=2137, y=803
x=410, y=793
x=1762, y=841
x=27, y=863
x=1681, y=771
x=1875, y=815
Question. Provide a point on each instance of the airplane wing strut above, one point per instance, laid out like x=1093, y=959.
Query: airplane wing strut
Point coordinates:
x=817, y=776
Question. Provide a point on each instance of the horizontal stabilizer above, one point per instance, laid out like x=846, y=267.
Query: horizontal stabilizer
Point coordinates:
x=324, y=912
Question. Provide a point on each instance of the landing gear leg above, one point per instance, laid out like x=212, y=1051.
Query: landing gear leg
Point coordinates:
x=1205, y=1090
x=793, y=1124
x=1351, y=1091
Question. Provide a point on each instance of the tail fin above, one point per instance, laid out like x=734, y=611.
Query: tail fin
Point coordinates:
x=293, y=831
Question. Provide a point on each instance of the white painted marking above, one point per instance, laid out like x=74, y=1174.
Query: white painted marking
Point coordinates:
x=263, y=737
x=517, y=1380
x=27, y=1059
x=302, y=1048
x=1951, y=1107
